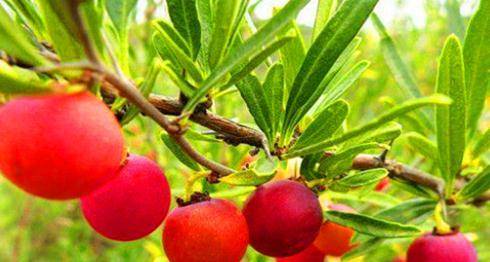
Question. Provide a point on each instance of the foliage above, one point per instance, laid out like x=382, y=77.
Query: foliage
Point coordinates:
x=317, y=98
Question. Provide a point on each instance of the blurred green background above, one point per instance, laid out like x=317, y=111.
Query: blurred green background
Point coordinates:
x=32, y=229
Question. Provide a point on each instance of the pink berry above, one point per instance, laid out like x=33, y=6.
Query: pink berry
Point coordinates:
x=453, y=247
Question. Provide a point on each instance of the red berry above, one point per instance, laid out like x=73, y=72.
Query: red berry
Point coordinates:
x=383, y=184
x=283, y=217
x=59, y=146
x=334, y=239
x=132, y=205
x=213, y=230
x=310, y=254
x=441, y=248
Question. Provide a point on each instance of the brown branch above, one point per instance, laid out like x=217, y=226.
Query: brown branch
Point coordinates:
x=398, y=170
x=128, y=90
x=231, y=132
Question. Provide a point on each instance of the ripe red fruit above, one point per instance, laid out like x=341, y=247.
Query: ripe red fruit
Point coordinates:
x=310, y=254
x=132, y=205
x=453, y=247
x=383, y=184
x=208, y=231
x=283, y=217
x=60, y=146
x=334, y=239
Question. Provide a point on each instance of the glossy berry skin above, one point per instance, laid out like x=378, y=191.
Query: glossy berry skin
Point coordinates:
x=283, y=217
x=334, y=239
x=383, y=184
x=310, y=254
x=132, y=205
x=208, y=231
x=60, y=146
x=441, y=248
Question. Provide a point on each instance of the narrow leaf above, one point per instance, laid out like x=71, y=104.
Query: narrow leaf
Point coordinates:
x=324, y=125
x=476, y=54
x=450, y=121
x=248, y=177
x=274, y=93
x=342, y=161
x=15, y=41
x=477, y=186
x=373, y=124
x=292, y=54
x=408, y=211
x=183, y=14
x=247, y=49
x=400, y=70
x=15, y=80
x=482, y=145
x=363, y=178
x=181, y=156
x=326, y=49
x=422, y=145
x=372, y=226
x=325, y=10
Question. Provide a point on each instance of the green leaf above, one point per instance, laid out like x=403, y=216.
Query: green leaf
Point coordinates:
x=146, y=88
x=477, y=186
x=450, y=121
x=177, y=151
x=205, y=15
x=254, y=95
x=119, y=11
x=363, y=178
x=183, y=14
x=28, y=11
x=329, y=45
x=225, y=14
x=248, y=177
x=338, y=87
x=274, y=93
x=342, y=161
x=373, y=124
x=16, y=80
x=257, y=60
x=185, y=87
x=400, y=70
x=179, y=54
x=15, y=41
x=422, y=145
x=476, y=54
x=372, y=226
x=408, y=211
x=62, y=30
x=324, y=126
x=325, y=10
x=292, y=54
x=372, y=198
x=248, y=49
x=173, y=35
x=482, y=145
x=385, y=134
x=308, y=167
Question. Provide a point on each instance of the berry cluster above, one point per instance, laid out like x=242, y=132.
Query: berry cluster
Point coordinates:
x=68, y=146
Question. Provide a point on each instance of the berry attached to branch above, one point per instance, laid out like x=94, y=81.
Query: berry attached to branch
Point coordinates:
x=284, y=218
x=452, y=247
x=208, y=231
x=132, y=205
x=60, y=146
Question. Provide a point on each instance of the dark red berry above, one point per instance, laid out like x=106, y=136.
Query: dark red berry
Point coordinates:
x=453, y=247
x=283, y=217
x=132, y=205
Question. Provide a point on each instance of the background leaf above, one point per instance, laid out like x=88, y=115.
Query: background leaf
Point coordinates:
x=450, y=121
x=477, y=186
x=477, y=63
x=183, y=14
x=371, y=226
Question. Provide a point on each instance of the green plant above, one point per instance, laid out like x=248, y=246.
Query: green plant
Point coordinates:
x=308, y=116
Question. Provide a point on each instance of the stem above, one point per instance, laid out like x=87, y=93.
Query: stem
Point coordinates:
x=442, y=228
x=130, y=92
